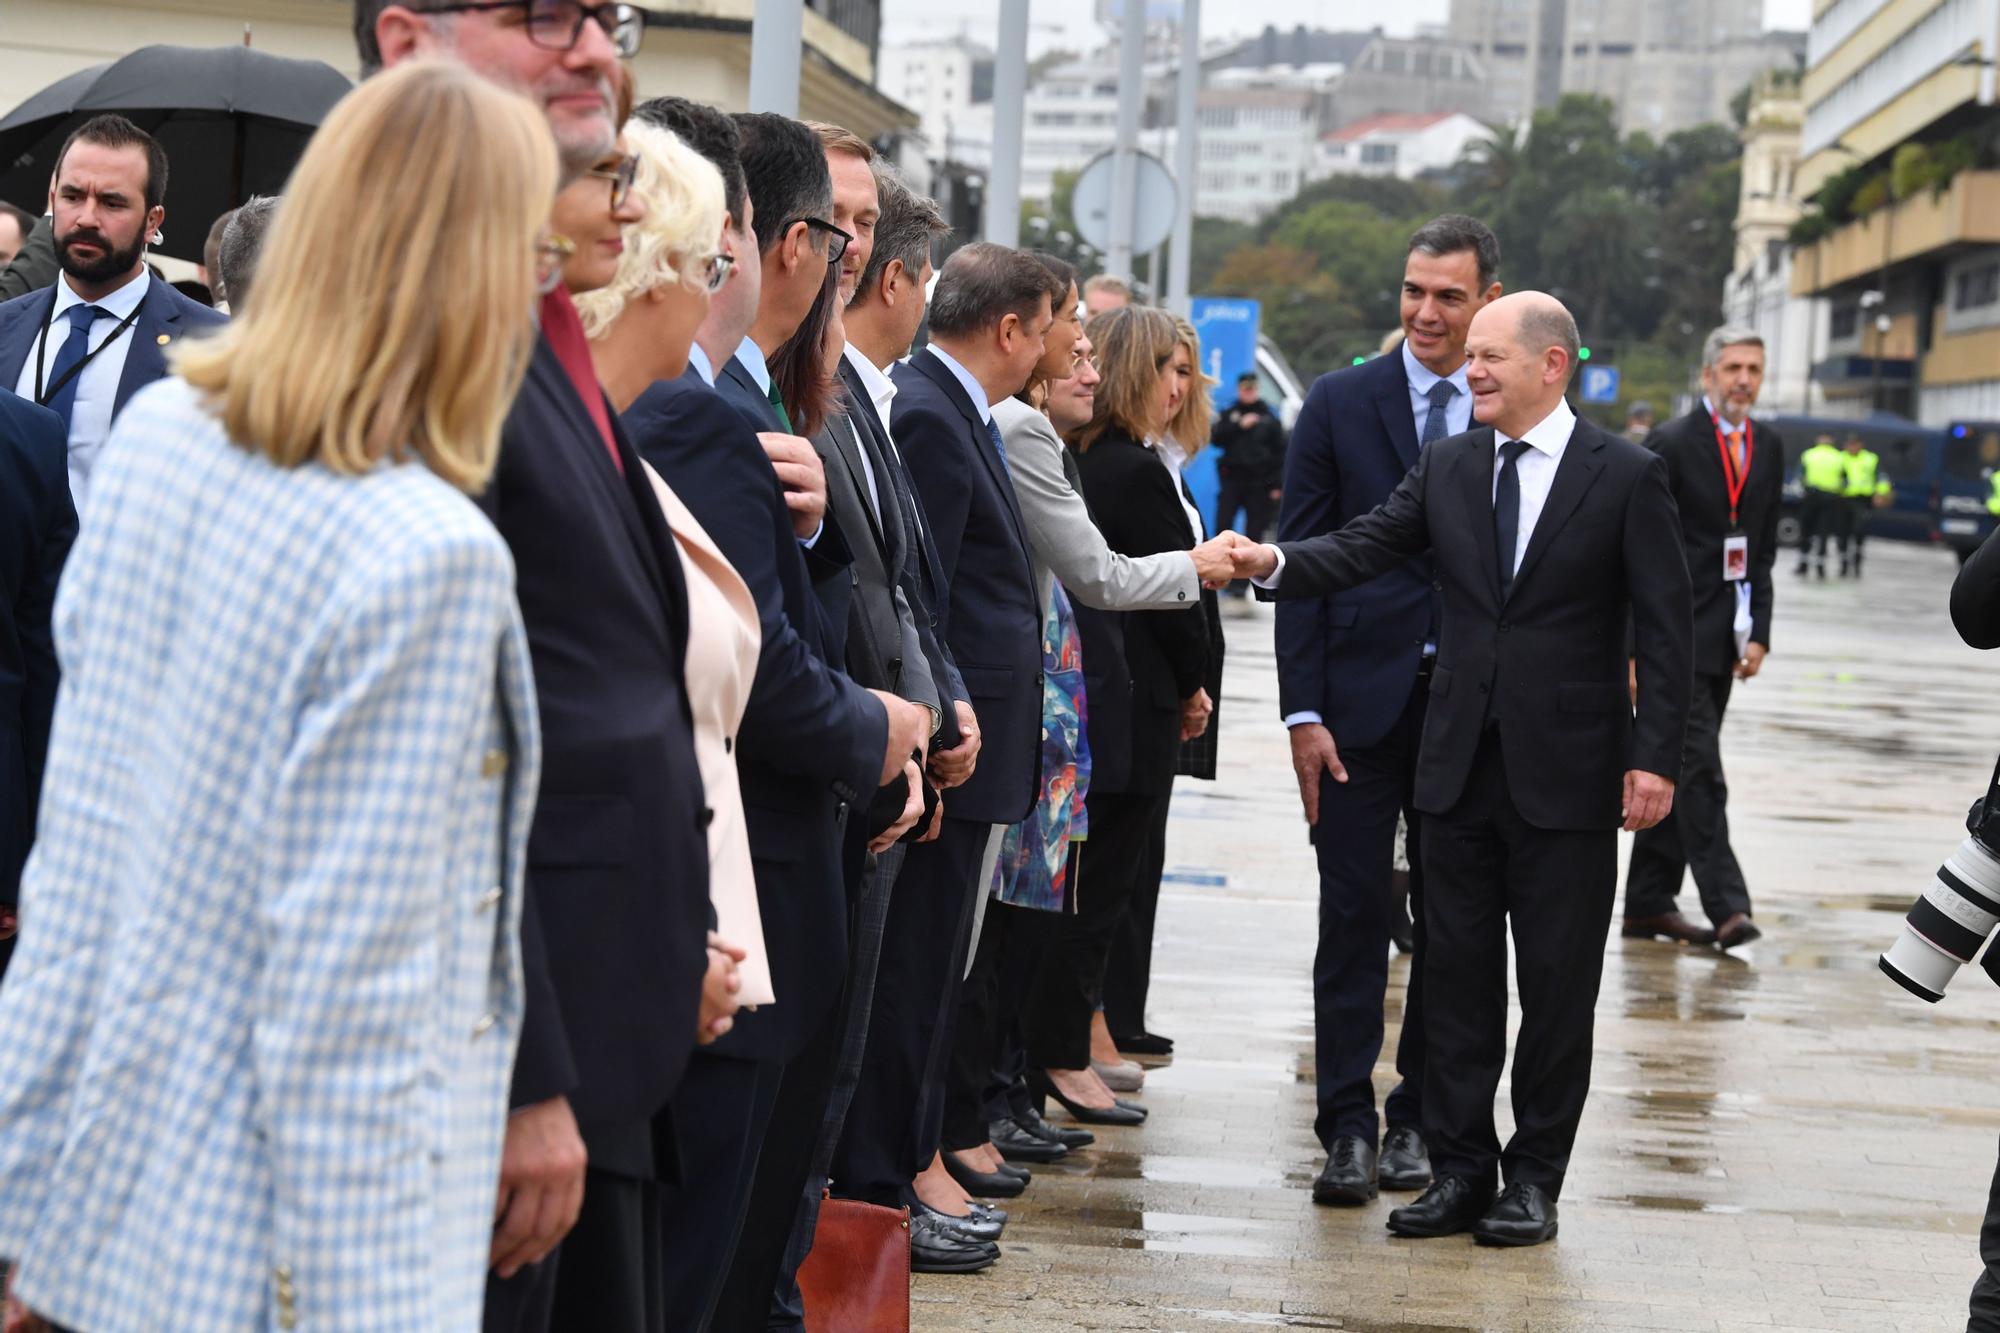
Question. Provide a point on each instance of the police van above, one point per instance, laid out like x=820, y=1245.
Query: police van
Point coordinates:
x=1911, y=460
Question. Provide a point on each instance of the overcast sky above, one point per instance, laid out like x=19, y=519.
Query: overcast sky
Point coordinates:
x=1069, y=23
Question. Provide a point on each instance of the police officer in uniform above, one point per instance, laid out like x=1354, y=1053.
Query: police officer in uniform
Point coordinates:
x=1863, y=483
x=1823, y=471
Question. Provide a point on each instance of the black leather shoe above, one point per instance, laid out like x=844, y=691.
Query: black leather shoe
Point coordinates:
x=1042, y=1087
x=1144, y=1043
x=1452, y=1204
x=1348, y=1179
x=986, y=1212
x=1406, y=1162
x=996, y=1185
x=1522, y=1215
x=1028, y=1118
x=1020, y=1173
x=935, y=1248
x=1018, y=1145
x=972, y=1228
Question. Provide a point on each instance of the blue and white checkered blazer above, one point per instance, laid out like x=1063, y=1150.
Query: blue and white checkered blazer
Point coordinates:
x=256, y=1039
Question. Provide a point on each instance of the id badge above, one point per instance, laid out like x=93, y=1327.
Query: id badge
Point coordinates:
x=1735, y=558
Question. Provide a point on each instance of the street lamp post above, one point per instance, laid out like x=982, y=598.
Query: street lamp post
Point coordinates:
x=777, y=40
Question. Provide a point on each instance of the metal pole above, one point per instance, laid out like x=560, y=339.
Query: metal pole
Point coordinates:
x=1187, y=90
x=777, y=39
x=1010, y=100
x=1125, y=167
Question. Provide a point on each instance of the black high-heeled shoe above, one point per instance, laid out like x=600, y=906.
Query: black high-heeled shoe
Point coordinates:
x=983, y=1184
x=1041, y=1087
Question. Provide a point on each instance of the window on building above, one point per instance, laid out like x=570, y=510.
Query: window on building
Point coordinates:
x=1378, y=155
x=1976, y=287
x=1843, y=323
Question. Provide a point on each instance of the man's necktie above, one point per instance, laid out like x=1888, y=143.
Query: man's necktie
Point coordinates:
x=1435, y=425
x=778, y=406
x=1736, y=450
x=68, y=357
x=1507, y=512
x=999, y=449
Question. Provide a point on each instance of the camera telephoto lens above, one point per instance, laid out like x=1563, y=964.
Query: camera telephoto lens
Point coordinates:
x=1948, y=924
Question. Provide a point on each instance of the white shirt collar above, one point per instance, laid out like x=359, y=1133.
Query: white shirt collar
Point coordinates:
x=702, y=365
x=881, y=389
x=1549, y=435
x=752, y=357
x=118, y=305
x=1422, y=377
x=972, y=386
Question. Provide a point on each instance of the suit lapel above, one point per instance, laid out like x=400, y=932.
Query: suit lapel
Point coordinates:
x=1574, y=474
x=24, y=320
x=1392, y=401
x=982, y=443
x=159, y=318
x=1475, y=481
x=844, y=434
x=739, y=375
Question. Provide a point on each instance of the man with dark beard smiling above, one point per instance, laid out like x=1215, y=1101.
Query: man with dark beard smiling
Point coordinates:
x=83, y=347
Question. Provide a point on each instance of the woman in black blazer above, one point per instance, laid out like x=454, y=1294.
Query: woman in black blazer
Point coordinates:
x=1142, y=670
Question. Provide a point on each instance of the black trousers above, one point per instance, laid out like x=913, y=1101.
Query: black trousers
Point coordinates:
x=1822, y=523
x=1485, y=864
x=1249, y=496
x=1355, y=843
x=607, y=1273
x=1695, y=836
x=1128, y=972
x=1070, y=978
x=1985, y=1303
x=1854, y=527
x=721, y=1112
x=891, y=1129
x=986, y=1051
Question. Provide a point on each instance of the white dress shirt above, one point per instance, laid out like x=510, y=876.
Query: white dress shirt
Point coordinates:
x=1536, y=469
x=97, y=382
x=702, y=365
x=881, y=391
x=1457, y=411
x=973, y=388
x=1175, y=458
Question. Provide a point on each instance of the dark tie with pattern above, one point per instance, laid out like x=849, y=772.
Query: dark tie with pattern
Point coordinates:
x=63, y=401
x=1507, y=512
x=999, y=449
x=1435, y=425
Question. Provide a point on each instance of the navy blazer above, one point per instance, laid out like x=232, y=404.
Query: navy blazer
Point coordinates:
x=37, y=525
x=993, y=622
x=1352, y=656
x=812, y=740
x=164, y=316
x=614, y=933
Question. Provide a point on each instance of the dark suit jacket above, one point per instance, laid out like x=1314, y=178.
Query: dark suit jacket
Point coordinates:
x=1352, y=656
x=992, y=621
x=37, y=525
x=1694, y=473
x=615, y=933
x=811, y=741
x=1547, y=665
x=163, y=314
x=1135, y=723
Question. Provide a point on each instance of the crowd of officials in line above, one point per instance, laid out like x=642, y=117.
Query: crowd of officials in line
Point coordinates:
x=566, y=699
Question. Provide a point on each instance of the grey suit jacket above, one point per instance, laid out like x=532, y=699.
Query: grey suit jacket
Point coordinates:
x=1066, y=544
x=882, y=629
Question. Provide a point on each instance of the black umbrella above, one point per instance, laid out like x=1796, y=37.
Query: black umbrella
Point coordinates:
x=232, y=120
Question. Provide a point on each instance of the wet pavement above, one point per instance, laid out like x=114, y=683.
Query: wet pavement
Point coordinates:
x=1777, y=1139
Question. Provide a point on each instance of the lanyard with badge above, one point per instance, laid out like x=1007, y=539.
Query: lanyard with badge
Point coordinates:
x=1735, y=546
x=44, y=396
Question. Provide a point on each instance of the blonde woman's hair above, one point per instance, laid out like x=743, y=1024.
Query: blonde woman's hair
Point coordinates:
x=1192, y=423
x=391, y=316
x=682, y=192
x=1134, y=343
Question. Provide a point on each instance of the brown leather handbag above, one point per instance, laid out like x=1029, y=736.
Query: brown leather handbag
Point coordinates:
x=857, y=1278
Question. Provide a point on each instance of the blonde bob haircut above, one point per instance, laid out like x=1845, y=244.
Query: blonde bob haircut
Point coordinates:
x=682, y=192
x=392, y=313
x=1134, y=343
x=1196, y=418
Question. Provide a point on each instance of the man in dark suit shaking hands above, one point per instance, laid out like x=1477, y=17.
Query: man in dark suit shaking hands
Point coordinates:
x=1547, y=533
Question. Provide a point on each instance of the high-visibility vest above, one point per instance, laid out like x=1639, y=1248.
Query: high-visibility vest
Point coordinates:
x=1993, y=500
x=1824, y=468
x=1863, y=475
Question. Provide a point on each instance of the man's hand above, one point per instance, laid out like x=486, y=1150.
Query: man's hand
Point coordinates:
x=718, y=990
x=803, y=477
x=1252, y=560
x=909, y=727
x=913, y=810
x=1314, y=757
x=1249, y=419
x=937, y=822
x=541, y=1185
x=1649, y=798
x=1213, y=564
x=1195, y=712
x=950, y=768
x=1752, y=662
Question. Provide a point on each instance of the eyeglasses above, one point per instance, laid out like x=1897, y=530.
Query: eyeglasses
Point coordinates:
x=715, y=271
x=621, y=174
x=557, y=25
x=836, y=239
x=550, y=253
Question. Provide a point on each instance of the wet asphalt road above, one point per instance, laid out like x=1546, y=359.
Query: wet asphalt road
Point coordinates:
x=1775, y=1139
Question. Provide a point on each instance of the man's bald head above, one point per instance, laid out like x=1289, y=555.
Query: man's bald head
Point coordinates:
x=1521, y=348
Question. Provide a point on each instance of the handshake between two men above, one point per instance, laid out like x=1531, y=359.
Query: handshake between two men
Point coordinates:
x=1229, y=556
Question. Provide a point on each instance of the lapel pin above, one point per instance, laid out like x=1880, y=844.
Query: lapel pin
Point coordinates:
x=164, y=340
